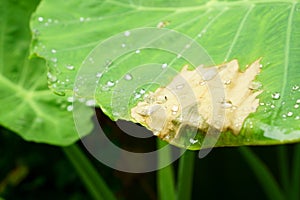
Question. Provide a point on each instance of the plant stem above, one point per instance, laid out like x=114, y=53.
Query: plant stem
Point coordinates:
x=283, y=166
x=165, y=176
x=89, y=175
x=295, y=185
x=185, y=175
x=263, y=174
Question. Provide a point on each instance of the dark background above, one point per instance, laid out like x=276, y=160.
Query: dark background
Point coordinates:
x=39, y=171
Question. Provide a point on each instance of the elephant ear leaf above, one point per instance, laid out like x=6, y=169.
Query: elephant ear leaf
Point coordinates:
x=28, y=107
x=228, y=30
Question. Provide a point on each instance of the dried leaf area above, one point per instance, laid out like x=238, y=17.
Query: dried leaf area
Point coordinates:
x=220, y=97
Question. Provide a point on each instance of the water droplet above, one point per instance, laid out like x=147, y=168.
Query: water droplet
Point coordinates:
x=54, y=60
x=70, y=108
x=272, y=106
x=165, y=65
x=99, y=75
x=137, y=96
x=175, y=108
x=123, y=45
x=193, y=141
x=91, y=102
x=295, y=87
x=162, y=24
x=226, y=104
x=276, y=96
x=296, y=106
x=81, y=19
x=108, y=62
x=298, y=101
x=187, y=46
x=52, y=78
x=128, y=77
x=179, y=56
x=262, y=104
x=202, y=83
x=142, y=91
x=289, y=114
x=209, y=74
x=199, y=35
x=70, y=99
x=255, y=85
x=284, y=115
x=40, y=19
x=91, y=60
x=180, y=86
x=70, y=67
x=110, y=83
x=138, y=51
x=227, y=82
x=127, y=33
x=161, y=99
x=297, y=117
x=53, y=51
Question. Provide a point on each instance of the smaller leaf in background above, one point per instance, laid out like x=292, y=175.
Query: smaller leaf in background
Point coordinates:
x=28, y=107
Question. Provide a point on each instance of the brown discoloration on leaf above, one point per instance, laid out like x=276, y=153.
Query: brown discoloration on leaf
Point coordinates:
x=165, y=110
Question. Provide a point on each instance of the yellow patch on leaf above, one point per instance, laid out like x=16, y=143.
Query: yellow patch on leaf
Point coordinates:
x=220, y=97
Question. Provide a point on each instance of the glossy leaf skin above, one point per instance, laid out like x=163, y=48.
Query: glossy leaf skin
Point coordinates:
x=242, y=30
x=28, y=107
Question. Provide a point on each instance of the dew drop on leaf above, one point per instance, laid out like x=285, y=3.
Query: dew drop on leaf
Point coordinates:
x=128, y=77
x=226, y=104
x=110, y=83
x=209, y=74
x=70, y=67
x=227, y=82
x=142, y=91
x=70, y=99
x=165, y=65
x=255, y=85
x=276, y=96
x=180, y=86
x=193, y=141
x=127, y=33
x=99, y=75
x=69, y=108
x=40, y=19
x=295, y=87
x=91, y=102
x=289, y=114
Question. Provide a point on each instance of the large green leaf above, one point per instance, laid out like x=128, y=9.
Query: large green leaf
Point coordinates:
x=28, y=107
x=65, y=32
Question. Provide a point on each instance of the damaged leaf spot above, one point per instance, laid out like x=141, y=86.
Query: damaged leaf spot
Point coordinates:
x=187, y=100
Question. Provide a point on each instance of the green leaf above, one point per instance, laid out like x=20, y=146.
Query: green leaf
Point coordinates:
x=165, y=176
x=28, y=107
x=95, y=184
x=263, y=174
x=66, y=32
